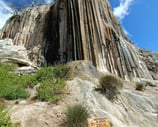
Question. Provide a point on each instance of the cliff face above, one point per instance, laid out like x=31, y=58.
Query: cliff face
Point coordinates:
x=75, y=30
x=151, y=61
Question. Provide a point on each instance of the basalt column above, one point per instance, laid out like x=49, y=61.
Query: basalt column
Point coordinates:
x=88, y=30
x=70, y=30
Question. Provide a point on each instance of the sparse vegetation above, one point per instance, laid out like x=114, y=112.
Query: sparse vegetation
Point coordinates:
x=110, y=85
x=5, y=120
x=51, y=79
x=76, y=116
x=140, y=86
x=51, y=90
x=52, y=82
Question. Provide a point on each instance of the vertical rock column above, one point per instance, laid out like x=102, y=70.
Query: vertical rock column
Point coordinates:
x=75, y=30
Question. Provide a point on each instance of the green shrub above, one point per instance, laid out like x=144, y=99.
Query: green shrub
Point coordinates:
x=60, y=71
x=139, y=86
x=16, y=93
x=51, y=90
x=46, y=73
x=110, y=85
x=43, y=74
x=5, y=120
x=11, y=85
x=76, y=116
x=52, y=80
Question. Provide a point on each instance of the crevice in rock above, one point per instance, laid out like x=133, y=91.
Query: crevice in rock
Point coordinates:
x=51, y=36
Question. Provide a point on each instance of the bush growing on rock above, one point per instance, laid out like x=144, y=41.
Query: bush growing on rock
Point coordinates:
x=76, y=116
x=110, y=85
x=140, y=86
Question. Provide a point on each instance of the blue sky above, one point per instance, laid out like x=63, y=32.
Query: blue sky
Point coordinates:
x=139, y=19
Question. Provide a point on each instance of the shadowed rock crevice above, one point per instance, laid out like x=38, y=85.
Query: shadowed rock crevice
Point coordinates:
x=51, y=36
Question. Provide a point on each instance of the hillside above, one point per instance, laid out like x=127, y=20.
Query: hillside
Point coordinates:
x=87, y=37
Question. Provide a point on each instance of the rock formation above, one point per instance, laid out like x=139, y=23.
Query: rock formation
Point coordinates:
x=151, y=61
x=70, y=30
x=13, y=53
x=17, y=55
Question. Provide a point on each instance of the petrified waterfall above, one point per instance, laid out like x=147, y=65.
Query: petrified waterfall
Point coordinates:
x=77, y=30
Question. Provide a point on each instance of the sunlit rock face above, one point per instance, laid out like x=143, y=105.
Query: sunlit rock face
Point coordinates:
x=69, y=30
x=151, y=61
x=13, y=53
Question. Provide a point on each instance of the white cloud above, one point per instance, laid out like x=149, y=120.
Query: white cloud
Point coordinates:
x=126, y=32
x=5, y=13
x=123, y=9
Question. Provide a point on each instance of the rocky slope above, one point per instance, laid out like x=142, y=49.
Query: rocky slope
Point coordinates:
x=76, y=30
x=131, y=109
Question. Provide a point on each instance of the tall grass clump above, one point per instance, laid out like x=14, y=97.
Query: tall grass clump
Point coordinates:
x=110, y=86
x=76, y=116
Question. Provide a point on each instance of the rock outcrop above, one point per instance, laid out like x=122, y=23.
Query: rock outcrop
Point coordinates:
x=13, y=53
x=132, y=109
x=71, y=30
x=17, y=55
x=151, y=60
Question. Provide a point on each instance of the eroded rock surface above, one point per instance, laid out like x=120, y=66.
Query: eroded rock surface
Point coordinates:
x=75, y=30
x=132, y=109
x=15, y=54
x=18, y=55
x=151, y=60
